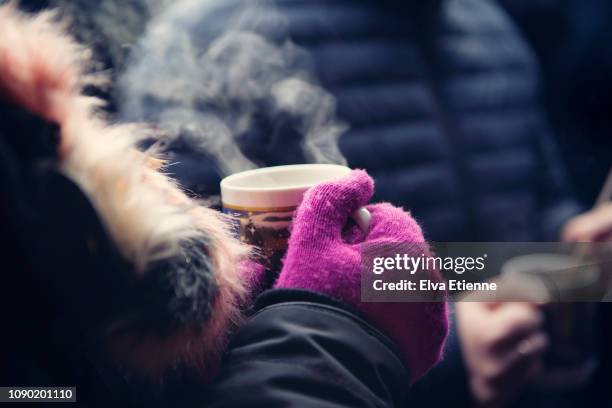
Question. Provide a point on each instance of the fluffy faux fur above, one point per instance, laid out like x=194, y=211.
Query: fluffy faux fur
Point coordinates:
x=146, y=214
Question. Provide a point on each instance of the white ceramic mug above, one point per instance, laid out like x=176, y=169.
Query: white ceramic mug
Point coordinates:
x=262, y=202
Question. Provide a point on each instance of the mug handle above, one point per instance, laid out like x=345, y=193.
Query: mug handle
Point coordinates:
x=362, y=218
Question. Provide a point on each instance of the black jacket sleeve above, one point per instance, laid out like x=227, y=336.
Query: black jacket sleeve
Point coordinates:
x=301, y=349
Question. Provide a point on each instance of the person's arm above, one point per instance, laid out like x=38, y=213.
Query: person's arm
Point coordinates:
x=302, y=349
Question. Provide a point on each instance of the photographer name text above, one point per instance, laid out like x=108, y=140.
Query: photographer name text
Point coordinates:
x=430, y=285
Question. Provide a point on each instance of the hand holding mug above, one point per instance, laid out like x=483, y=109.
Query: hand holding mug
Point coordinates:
x=325, y=257
x=262, y=203
x=503, y=345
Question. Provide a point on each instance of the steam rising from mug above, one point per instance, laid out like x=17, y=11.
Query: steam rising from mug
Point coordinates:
x=209, y=92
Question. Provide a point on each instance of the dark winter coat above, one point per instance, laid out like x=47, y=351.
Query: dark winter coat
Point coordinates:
x=442, y=102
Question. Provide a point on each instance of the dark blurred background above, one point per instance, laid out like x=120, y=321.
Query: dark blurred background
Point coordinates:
x=573, y=40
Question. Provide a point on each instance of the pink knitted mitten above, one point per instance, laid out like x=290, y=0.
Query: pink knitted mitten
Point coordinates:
x=324, y=259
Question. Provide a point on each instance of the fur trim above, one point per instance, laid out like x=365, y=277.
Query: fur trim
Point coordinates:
x=144, y=211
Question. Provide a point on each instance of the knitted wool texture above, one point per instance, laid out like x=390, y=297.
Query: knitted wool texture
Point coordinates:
x=323, y=259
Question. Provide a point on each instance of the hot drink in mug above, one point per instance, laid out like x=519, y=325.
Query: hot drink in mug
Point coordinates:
x=262, y=202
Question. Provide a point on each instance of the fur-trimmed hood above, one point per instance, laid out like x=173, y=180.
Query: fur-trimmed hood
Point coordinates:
x=153, y=224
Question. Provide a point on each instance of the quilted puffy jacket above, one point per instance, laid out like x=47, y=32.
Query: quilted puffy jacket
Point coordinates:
x=576, y=58
x=442, y=101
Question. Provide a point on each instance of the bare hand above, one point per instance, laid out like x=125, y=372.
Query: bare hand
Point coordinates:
x=592, y=226
x=503, y=345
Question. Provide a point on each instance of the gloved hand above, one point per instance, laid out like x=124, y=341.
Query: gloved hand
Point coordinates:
x=325, y=259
